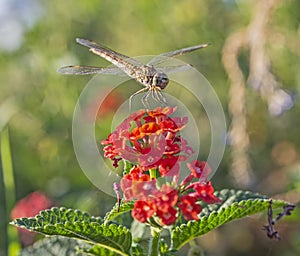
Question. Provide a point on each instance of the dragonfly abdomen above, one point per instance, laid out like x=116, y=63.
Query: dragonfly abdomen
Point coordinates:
x=112, y=58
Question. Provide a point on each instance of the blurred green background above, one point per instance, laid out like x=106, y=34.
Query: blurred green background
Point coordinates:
x=37, y=103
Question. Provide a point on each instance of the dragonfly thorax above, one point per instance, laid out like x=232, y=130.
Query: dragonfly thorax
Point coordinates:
x=150, y=77
x=160, y=80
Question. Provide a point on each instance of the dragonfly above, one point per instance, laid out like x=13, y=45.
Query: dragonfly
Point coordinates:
x=153, y=79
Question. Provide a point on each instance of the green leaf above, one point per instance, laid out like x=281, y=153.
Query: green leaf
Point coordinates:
x=53, y=246
x=228, y=197
x=124, y=207
x=80, y=225
x=235, y=205
x=98, y=250
x=139, y=250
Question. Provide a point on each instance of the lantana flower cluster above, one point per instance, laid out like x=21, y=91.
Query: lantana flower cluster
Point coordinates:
x=151, y=142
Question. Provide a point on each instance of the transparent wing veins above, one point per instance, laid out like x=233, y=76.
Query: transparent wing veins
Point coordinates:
x=89, y=70
x=164, y=56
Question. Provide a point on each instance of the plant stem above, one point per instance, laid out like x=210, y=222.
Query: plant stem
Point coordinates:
x=152, y=173
x=154, y=242
x=8, y=172
x=7, y=188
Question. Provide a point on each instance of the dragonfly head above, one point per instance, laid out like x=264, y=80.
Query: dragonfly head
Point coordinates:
x=160, y=80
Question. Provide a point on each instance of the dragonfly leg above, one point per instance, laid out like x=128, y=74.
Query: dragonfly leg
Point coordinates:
x=133, y=95
x=158, y=96
x=145, y=99
x=155, y=96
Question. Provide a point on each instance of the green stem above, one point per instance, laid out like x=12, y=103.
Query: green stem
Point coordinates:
x=152, y=173
x=7, y=189
x=154, y=242
x=7, y=165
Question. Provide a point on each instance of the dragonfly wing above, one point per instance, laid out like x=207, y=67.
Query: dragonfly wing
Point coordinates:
x=164, y=56
x=110, y=55
x=173, y=69
x=88, y=70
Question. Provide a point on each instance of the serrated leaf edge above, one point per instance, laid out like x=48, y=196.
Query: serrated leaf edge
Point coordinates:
x=213, y=214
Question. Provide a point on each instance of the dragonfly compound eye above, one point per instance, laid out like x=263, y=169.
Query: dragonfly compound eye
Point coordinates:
x=161, y=80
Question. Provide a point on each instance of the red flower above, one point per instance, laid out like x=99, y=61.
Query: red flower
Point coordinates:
x=189, y=207
x=169, y=166
x=205, y=192
x=31, y=205
x=142, y=210
x=159, y=203
x=137, y=185
x=165, y=197
x=167, y=217
x=151, y=140
x=145, y=138
x=199, y=168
